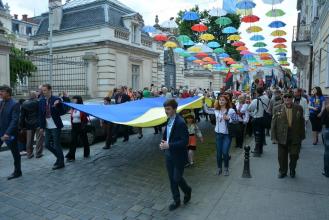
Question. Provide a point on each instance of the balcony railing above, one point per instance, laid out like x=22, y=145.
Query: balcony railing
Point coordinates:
x=123, y=35
x=146, y=42
x=302, y=33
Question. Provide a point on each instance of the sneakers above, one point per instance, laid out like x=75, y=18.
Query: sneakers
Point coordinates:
x=219, y=172
x=226, y=172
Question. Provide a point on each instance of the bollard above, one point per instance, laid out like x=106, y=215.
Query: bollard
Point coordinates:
x=246, y=166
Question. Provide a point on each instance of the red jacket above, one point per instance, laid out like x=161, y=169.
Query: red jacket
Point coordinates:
x=83, y=117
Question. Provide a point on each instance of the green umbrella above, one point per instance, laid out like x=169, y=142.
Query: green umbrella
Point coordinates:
x=183, y=38
x=275, y=13
x=185, y=54
x=223, y=21
x=219, y=50
x=260, y=44
x=281, y=50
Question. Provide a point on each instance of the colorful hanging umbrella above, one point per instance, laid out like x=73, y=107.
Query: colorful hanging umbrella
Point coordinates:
x=185, y=54
x=160, y=37
x=245, y=5
x=253, y=29
x=279, y=40
x=280, y=46
x=190, y=16
x=149, y=29
x=230, y=30
x=245, y=52
x=278, y=33
x=248, y=56
x=241, y=48
x=257, y=38
x=183, y=38
x=189, y=43
x=231, y=62
x=223, y=55
x=265, y=58
x=207, y=37
x=219, y=50
x=238, y=44
x=170, y=44
x=281, y=54
x=197, y=61
x=217, y=12
x=260, y=44
x=250, y=19
x=228, y=59
x=201, y=55
x=191, y=58
x=282, y=58
x=273, y=2
x=223, y=21
x=234, y=37
x=194, y=49
x=169, y=24
x=262, y=50
x=244, y=12
x=208, y=59
x=277, y=24
x=213, y=44
x=275, y=13
x=199, y=27
x=281, y=50
x=179, y=50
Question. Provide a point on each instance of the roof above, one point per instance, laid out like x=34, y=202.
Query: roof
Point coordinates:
x=88, y=13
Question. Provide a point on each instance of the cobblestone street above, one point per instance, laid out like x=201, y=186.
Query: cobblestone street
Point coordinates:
x=130, y=182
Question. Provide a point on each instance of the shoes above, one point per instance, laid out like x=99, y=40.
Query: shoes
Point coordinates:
x=326, y=175
x=39, y=156
x=57, y=167
x=187, y=165
x=156, y=133
x=23, y=153
x=86, y=156
x=174, y=206
x=187, y=196
x=106, y=147
x=226, y=172
x=14, y=175
x=30, y=156
x=219, y=172
x=282, y=175
x=69, y=160
x=292, y=173
x=140, y=136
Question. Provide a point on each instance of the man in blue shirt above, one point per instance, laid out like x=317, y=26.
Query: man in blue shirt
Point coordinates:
x=9, y=117
x=174, y=144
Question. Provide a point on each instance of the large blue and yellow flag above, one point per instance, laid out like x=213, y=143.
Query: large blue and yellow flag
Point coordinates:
x=147, y=112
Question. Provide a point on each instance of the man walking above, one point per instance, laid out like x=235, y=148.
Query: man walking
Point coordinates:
x=120, y=98
x=9, y=117
x=288, y=131
x=29, y=122
x=50, y=111
x=174, y=144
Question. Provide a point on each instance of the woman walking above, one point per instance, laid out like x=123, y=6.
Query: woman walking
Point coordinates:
x=79, y=121
x=224, y=114
x=317, y=107
x=242, y=111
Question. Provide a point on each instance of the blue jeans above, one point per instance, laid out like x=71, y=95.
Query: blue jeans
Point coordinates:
x=52, y=143
x=223, y=143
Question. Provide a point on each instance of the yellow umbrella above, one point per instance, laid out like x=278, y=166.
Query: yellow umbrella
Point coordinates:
x=170, y=44
x=244, y=12
x=253, y=29
x=278, y=33
x=194, y=49
x=207, y=37
x=234, y=37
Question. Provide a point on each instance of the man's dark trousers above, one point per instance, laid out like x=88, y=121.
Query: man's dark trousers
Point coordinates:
x=55, y=148
x=175, y=173
x=12, y=145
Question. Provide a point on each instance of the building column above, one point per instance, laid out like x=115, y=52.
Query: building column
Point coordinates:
x=4, y=58
x=92, y=60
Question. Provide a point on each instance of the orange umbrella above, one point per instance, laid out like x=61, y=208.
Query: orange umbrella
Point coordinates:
x=279, y=40
x=242, y=48
x=208, y=59
x=213, y=62
x=231, y=62
x=198, y=61
x=228, y=59
x=280, y=46
x=160, y=37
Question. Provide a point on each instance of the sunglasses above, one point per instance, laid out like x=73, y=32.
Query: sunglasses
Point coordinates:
x=287, y=96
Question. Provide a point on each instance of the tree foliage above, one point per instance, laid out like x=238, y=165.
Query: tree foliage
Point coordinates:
x=20, y=65
x=213, y=28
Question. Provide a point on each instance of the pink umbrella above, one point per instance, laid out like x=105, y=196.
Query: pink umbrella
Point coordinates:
x=245, y=52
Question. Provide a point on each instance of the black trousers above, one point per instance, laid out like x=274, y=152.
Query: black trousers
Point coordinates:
x=109, y=134
x=176, y=179
x=240, y=135
x=12, y=145
x=157, y=129
x=78, y=132
x=197, y=114
x=121, y=128
x=259, y=132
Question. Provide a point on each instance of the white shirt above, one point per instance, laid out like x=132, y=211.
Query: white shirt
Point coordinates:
x=221, y=124
x=243, y=109
x=259, y=113
x=76, y=116
x=50, y=124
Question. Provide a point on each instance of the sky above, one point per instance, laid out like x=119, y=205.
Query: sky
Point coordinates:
x=166, y=9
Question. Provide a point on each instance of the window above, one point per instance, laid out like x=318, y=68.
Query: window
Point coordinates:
x=134, y=33
x=135, y=70
x=15, y=28
x=29, y=30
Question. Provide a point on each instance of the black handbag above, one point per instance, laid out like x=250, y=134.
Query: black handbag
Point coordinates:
x=233, y=128
x=212, y=119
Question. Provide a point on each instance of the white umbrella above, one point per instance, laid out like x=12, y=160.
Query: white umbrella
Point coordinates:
x=273, y=2
x=169, y=24
x=217, y=12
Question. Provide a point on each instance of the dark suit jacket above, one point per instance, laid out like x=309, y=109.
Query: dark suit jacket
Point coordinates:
x=124, y=98
x=9, y=118
x=178, y=141
x=56, y=112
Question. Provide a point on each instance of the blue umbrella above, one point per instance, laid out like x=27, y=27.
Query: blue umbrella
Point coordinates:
x=179, y=50
x=245, y=5
x=257, y=38
x=213, y=44
x=189, y=43
x=262, y=50
x=149, y=29
x=283, y=59
x=248, y=56
x=190, y=16
x=192, y=58
x=282, y=54
x=230, y=30
x=223, y=55
x=277, y=24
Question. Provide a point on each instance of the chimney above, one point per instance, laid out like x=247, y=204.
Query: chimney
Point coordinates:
x=16, y=16
x=24, y=17
x=55, y=14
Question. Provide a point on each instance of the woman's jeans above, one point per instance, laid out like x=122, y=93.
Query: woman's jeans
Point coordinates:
x=325, y=136
x=223, y=143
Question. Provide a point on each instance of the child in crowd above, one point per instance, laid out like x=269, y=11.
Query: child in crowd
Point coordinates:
x=194, y=132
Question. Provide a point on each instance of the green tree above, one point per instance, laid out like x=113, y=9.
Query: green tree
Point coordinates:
x=213, y=28
x=20, y=65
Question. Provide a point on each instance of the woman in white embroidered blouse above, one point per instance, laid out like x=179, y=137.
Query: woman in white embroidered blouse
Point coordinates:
x=224, y=114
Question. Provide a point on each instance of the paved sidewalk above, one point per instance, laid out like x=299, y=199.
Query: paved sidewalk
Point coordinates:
x=130, y=182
